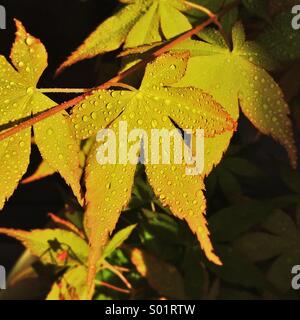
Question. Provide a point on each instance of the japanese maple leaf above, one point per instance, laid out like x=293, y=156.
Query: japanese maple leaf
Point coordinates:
x=69, y=250
x=236, y=78
x=155, y=105
x=279, y=39
x=139, y=22
x=50, y=245
x=279, y=240
x=19, y=99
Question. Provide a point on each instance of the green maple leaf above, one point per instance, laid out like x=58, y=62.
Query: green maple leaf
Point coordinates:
x=280, y=39
x=155, y=105
x=20, y=99
x=236, y=77
x=139, y=22
x=278, y=240
x=72, y=286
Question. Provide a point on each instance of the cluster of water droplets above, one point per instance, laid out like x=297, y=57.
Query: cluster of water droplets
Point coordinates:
x=263, y=102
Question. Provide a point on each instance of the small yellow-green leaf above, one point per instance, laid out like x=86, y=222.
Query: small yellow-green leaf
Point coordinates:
x=50, y=244
x=118, y=239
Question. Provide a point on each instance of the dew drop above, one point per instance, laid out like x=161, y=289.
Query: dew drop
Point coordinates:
x=109, y=106
x=30, y=90
x=29, y=41
x=94, y=115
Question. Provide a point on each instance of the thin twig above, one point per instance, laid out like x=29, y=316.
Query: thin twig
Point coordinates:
x=48, y=113
x=110, y=286
x=108, y=266
x=122, y=269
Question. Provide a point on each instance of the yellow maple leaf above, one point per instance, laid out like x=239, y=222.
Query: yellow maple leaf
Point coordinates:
x=156, y=105
x=20, y=99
